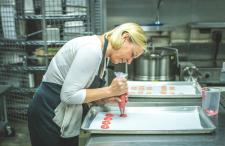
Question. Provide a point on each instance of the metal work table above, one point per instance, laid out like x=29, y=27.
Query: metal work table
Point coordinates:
x=214, y=139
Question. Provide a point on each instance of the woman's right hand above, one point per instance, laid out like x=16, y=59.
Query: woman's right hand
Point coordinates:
x=111, y=100
x=118, y=86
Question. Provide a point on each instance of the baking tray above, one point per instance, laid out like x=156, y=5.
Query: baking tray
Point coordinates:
x=175, y=124
x=175, y=89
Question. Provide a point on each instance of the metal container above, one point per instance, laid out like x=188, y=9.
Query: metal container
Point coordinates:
x=31, y=80
x=159, y=64
x=53, y=34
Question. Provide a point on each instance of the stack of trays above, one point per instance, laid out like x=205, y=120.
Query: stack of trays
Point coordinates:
x=53, y=8
x=73, y=29
x=76, y=7
x=8, y=21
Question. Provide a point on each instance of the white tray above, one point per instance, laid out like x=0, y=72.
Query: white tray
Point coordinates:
x=149, y=120
x=177, y=89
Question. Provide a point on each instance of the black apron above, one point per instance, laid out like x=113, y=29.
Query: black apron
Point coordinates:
x=43, y=131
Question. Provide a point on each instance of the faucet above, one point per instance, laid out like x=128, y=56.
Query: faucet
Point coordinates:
x=157, y=21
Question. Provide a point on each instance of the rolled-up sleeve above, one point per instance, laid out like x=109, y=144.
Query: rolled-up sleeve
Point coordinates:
x=81, y=73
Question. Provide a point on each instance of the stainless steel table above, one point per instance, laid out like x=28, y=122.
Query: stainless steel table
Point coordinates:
x=214, y=139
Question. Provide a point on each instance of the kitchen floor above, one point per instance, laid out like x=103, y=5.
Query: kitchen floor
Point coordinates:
x=22, y=136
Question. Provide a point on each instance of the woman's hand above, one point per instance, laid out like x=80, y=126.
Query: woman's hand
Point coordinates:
x=108, y=94
x=118, y=86
x=108, y=100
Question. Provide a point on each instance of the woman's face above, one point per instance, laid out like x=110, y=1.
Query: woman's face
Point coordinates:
x=126, y=53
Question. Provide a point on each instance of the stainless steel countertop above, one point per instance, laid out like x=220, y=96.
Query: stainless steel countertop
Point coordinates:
x=214, y=139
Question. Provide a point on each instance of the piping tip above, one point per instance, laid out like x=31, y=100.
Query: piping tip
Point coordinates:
x=122, y=111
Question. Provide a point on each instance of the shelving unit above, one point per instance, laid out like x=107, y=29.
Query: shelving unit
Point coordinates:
x=28, y=26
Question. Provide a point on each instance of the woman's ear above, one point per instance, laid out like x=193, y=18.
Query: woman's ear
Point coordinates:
x=125, y=36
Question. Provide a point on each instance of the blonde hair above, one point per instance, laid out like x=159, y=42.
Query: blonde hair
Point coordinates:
x=136, y=33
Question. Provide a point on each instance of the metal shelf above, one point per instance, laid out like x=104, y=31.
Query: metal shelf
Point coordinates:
x=217, y=25
x=23, y=68
x=55, y=18
x=23, y=42
x=23, y=90
x=41, y=42
x=28, y=27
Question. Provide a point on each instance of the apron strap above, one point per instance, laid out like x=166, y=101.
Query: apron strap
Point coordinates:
x=101, y=67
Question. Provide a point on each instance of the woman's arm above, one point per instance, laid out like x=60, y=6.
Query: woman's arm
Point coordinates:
x=117, y=87
x=81, y=73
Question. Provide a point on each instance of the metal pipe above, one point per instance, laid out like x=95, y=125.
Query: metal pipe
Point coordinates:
x=44, y=33
x=157, y=21
x=34, y=33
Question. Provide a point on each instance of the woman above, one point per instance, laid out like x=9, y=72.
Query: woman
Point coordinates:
x=75, y=76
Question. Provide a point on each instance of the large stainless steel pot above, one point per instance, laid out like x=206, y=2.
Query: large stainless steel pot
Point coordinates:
x=160, y=64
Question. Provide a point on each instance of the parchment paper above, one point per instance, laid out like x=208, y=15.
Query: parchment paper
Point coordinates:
x=156, y=120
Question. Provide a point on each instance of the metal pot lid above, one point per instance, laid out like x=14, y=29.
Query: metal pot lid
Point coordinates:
x=154, y=55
